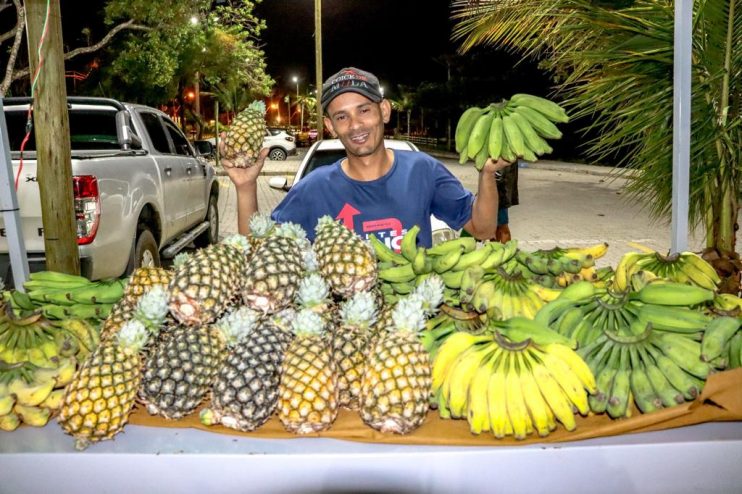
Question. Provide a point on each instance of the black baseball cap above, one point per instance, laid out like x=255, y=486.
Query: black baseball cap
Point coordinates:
x=354, y=80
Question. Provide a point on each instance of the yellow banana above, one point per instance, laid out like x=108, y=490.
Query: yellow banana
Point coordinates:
x=6, y=403
x=496, y=404
x=574, y=362
x=552, y=392
x=31, y=415
x=541, y=415
x=30, y=394
x=477, y=406
x=54, y=400
x=449, y=351
x=544, y=293
x=699, y=271
x=514, y=400
x=460, y=374
x=9, y=422
x=569, y=381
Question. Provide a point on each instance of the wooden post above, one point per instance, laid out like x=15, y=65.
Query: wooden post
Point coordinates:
x=52, y=131
x=318, y=64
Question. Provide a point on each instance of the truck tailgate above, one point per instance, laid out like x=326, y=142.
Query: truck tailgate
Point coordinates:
x=28, y=195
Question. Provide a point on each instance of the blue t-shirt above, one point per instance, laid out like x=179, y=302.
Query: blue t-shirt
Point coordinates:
x=416, y=186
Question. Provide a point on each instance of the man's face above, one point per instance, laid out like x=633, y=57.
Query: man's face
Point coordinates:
x=358, y=122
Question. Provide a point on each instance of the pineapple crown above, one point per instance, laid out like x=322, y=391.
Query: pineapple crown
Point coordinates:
x=291, y=230
x=261, y=225
x=313, y=290
x=430, y=293
x=180, y=259
x=284, y=318
x=132, y=335
x=152, y=308
x=236, y=325
x=324, y=222
x=309, y=258
x=409, y=315
x=308, y=322
x=360, y=310
x=239, y=242
x=257, y=106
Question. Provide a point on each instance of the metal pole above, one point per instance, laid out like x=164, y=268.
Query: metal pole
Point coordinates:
x=683, y=38
x=9, y=208
x=216, y=130
x=318, y=64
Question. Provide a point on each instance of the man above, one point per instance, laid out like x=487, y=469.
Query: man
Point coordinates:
x=374, y=189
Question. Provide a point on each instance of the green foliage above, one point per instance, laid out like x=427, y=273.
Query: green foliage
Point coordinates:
x=614, y=66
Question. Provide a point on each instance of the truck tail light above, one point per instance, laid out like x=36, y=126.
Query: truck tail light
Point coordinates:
x=87, y=207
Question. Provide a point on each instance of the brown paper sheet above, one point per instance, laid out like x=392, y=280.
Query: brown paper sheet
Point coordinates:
x=721, y=400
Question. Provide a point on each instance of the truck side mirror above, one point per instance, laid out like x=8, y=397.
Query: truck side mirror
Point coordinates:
x=204, y=148
x=125, y=134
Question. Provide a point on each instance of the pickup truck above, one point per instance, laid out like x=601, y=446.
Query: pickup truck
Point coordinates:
x=141, y=191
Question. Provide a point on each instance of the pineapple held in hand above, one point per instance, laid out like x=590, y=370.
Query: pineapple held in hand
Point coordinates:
x=244, y=139
x=345, y=260
x=308, y=392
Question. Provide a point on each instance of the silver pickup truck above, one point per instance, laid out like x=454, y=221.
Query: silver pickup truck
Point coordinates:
x=141, y=190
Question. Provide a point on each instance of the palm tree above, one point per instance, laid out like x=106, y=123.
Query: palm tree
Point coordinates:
x=615, y=66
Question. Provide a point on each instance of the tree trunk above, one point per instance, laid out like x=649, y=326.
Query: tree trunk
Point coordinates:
x=52, y=132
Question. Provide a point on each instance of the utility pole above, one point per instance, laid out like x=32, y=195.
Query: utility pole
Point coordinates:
x=52, y=132
x=318, y=64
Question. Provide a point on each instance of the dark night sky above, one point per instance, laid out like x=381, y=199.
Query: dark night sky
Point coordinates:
x=396, y=40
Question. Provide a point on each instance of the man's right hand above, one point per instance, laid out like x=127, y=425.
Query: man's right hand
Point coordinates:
x=242, y=176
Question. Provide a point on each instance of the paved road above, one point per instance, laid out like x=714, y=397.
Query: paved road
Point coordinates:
x=561, y=204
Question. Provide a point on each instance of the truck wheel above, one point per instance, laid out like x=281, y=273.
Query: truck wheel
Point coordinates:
x=277, y=154
x=145, y=251
x=211, y=234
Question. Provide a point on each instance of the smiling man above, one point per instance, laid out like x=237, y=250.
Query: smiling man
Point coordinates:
x=374, y=189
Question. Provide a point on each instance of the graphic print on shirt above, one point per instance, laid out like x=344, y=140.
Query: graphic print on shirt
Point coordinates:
x=388, y=230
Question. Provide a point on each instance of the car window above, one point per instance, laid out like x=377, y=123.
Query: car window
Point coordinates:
x=156, y=133
x=89, y=129
x=179, y=140
x=322, y=158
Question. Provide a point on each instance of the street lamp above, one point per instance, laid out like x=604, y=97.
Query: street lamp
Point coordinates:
x=296, y=81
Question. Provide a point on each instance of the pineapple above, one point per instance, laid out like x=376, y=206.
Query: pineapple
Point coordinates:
x=245, y=393
x=181, y=369
x=140, y=281
x=275, y=269
x=244, y=139
x=98, y=400
x=396, y=385
x=308, y=391
x=349, y=340
x=209, y=281
x=345, y=260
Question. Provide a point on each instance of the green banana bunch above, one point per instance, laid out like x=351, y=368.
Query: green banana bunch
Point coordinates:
x=511, y=129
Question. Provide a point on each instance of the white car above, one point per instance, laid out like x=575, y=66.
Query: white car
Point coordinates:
x=328, y=151
x=278, y=141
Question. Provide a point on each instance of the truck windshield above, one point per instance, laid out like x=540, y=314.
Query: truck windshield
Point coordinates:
x=89, y=129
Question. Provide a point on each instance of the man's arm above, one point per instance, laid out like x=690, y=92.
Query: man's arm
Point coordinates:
x=245, y=182
x=483, y=222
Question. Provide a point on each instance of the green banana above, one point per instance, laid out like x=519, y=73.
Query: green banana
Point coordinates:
x=548, y=108
x=473, y=258
x=398, y=274
x=447, y=261
x=495, y=140
x=514, y=136
x=670, y=293
x=679, y=379
x=465, y=125
x=540, y=123
x=422, y=264
x=408, y=244
x=618, y=400
x=384, y=253
x=533, y=141
x=519, y=328
x=467, y=244
x=452, y=279
x=479, y=135
x=717, y=335
x=675, y=319
x=683, y=351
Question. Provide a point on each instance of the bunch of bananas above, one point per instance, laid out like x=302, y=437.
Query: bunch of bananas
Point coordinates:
x=31, y=394
x=64, y=296
x=511, y=385
x=721, y=344
x=684, y=267
x=656, y=368
x=515, y=128
x=401, y=271
x=559, y=267
x=37, y=359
